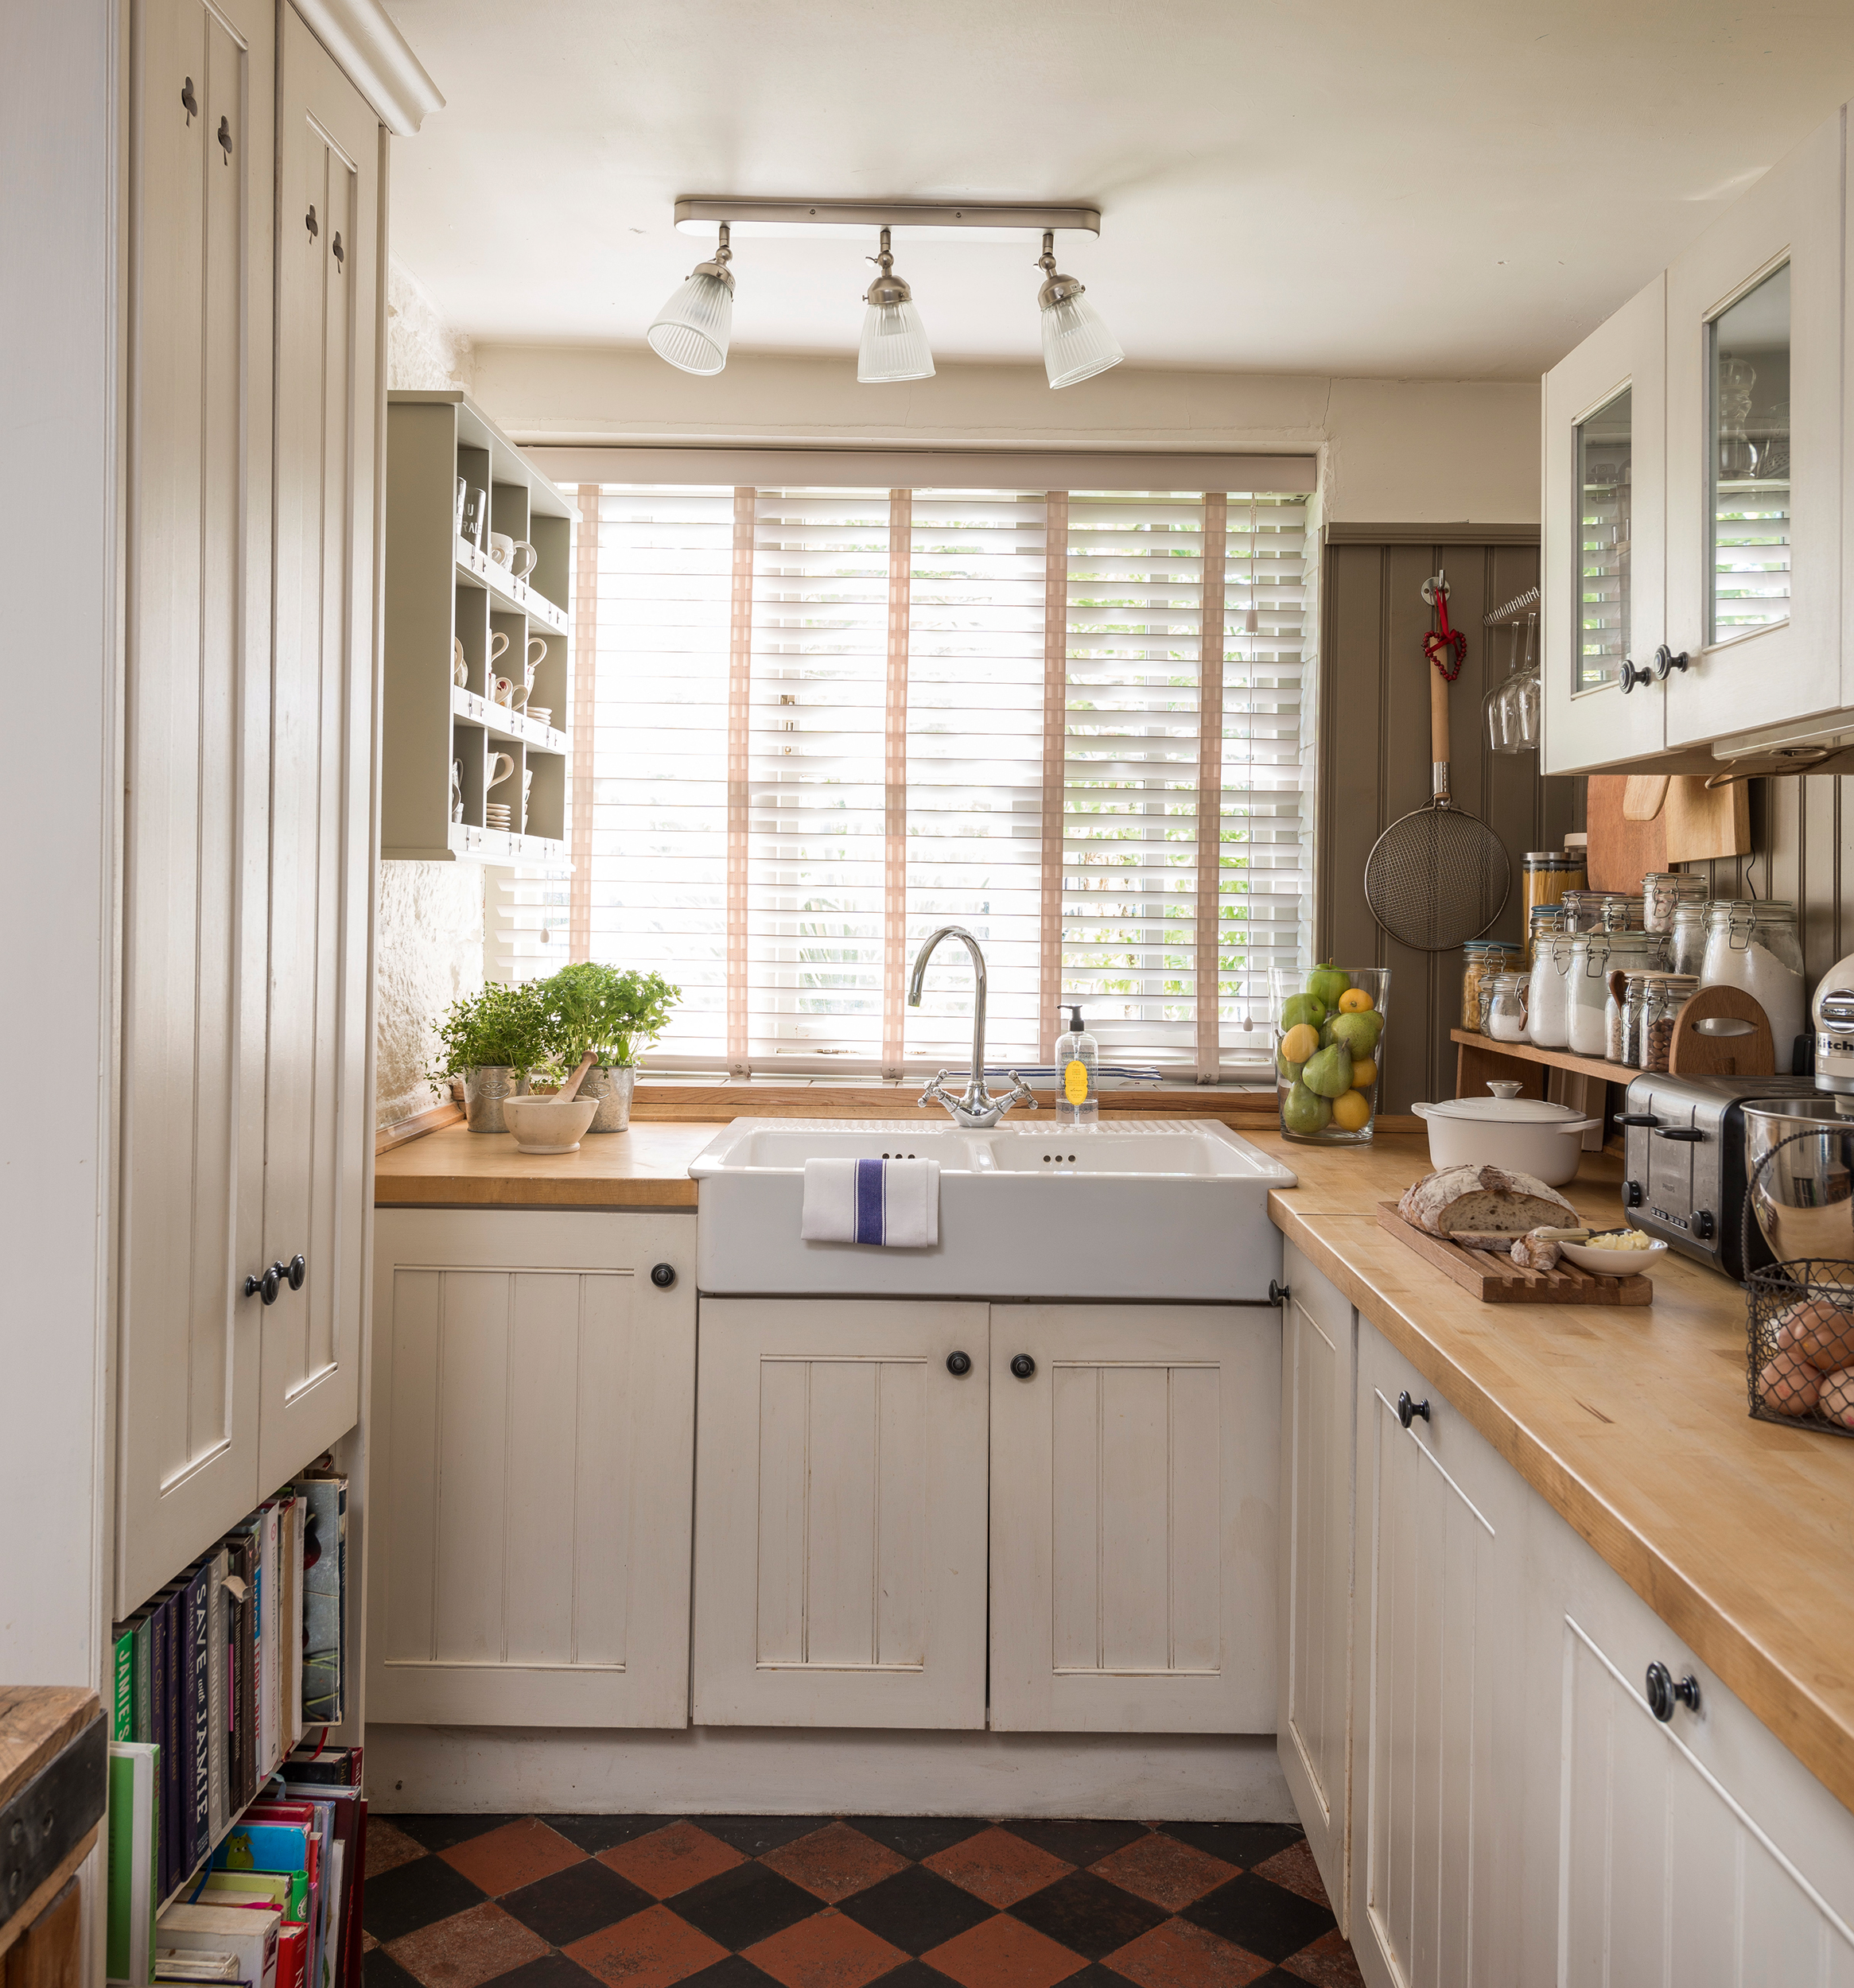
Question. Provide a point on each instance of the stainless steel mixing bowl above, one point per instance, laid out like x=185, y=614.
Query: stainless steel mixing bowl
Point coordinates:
x=1804, y=1200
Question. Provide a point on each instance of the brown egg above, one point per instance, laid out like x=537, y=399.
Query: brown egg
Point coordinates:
x=1791, y=1385
x=1820, y=1330
x=1836, y=1399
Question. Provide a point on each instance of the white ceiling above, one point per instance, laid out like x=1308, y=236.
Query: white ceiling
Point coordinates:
x=1452, y=188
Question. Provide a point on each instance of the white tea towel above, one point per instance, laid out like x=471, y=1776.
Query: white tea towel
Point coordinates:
x=894, y=1204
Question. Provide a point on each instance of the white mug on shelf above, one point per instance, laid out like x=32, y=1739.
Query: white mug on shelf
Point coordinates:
x=535, y=661
x=501, y=766
x=497, y=644
x=519, y=567
x=456, y=790
x=459, y=669
x=502, y=547
x=502, y=692
x=527, y=792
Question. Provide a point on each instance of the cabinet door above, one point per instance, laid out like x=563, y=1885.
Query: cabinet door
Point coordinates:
x=1134, y=1477
x=1435, y=1874
x=1603, y=570
x=1754, y=453
x=1314, y=1659
x=840, y=1499
x=198, y=642
x=316, y=1126
x=530, y=1441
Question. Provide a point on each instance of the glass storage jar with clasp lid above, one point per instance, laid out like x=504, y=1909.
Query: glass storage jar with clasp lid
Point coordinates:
x=1634, y=1010
x=1584, y=910
x=1668, y=993
x=1545, y=919
x=1594, y=956
x=1753, y=943
x=1506, y=1007
x=1548, y=1014
x=1479, y=957
x=1621, y=913
x=1664, y=891
x=1689, y=935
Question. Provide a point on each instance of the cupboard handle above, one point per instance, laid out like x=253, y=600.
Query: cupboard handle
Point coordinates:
x=267, y=1285
x=310, y=222
x=662, y=1276
x=225, y=138
x=339, y=252
x=1023, y=1366
x=190, y=103
x=1279, y=1294
x=1666, y=662
x=297, y=1271
x=1633, y=673
x=1664, y=1693
x=958, y=1364
x=1408, y=1411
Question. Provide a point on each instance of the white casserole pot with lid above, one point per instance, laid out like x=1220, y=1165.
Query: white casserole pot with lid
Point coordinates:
x=1523, y=1135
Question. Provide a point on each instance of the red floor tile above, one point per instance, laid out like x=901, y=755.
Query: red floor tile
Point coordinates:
x=1328, y=1963
x=1178, y=1954
x=835, y=1861
x=997, y=1866
x=651, y=1949
x=1002, y=1952
x=519, y=1852
x=671, y=1860
x=466, y=1949
x=1164, y=1871
x=826, y=1950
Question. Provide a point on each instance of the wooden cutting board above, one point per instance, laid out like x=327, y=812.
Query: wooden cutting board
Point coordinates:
x=1702, y=823
x=1621, y=852
x=1498, y=1280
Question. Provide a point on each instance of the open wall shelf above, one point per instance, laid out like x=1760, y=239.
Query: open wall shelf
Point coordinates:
x=444, y=593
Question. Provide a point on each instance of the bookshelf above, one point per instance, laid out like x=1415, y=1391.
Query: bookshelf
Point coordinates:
x=442, y=589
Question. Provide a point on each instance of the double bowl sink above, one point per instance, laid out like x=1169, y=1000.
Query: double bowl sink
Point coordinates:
x=1143, y=1209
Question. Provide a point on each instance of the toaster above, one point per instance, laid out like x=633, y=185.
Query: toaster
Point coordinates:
x=1683, y=1162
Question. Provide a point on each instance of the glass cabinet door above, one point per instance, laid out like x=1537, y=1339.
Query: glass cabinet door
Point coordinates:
x=1605, y=490
x=1749, y=515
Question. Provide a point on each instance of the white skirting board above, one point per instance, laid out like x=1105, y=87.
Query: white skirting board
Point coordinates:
x=810, y=1770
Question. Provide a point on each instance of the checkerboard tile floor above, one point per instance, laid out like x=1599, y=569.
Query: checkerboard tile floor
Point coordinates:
x=815, y=1901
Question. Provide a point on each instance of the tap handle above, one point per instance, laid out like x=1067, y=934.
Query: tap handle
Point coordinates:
x=1020, y=1093
x=933, y=1094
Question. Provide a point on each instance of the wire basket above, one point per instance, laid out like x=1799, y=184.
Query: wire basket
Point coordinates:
x=1799, y=1331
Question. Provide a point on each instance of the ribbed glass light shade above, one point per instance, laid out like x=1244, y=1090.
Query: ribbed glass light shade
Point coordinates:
x=1076, y=344
x=691, y=330
x=894, y=347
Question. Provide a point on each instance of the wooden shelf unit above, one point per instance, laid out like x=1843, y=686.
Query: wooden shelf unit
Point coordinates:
x=440, y=587
x=1480, y=1060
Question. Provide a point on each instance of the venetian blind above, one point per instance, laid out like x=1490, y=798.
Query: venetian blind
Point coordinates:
x=829, y=720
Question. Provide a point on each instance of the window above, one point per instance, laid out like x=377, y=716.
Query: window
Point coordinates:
x=828, y=720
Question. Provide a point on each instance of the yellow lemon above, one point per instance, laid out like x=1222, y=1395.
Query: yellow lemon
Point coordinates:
x=1364, y=1073
x=1352, y=1111
x=1300, y=1042
x=1354, y=1001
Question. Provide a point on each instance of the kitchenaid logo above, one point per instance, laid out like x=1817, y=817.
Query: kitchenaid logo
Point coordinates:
x=1828, y=1045
x=1673, y=1222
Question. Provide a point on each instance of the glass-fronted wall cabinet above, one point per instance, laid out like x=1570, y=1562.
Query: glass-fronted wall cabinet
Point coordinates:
x=1603, y=571
x=1754, y=403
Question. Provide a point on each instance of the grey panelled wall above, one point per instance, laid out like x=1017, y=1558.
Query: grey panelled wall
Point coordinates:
x=1802, y=837
x=1374, y=766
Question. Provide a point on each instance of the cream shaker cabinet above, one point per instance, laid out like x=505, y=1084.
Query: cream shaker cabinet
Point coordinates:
x=530, y=1443
x=247, y=772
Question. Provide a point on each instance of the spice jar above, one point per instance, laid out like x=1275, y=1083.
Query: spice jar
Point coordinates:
x=1754, y=944
x=1668, y=993
x=1634, y=1011
x=1506, y=1007
x=1548, y=1015
x=1663, y=893
x=1594, y=956
x=1480, y=958
x=1688, y=951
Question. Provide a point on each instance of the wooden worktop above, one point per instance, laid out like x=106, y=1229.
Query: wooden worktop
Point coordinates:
x=1629, y=1422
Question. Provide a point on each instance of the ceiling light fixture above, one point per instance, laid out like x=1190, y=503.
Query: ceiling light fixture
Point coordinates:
x=895, y=345
x=691, y=330
x=1076, y=344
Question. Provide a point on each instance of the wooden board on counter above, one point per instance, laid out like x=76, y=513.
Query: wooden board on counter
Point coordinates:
x=1498, y=1280
x=455, y=1167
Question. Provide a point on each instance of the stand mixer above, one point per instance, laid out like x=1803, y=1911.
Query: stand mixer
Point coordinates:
x=1834, y=1010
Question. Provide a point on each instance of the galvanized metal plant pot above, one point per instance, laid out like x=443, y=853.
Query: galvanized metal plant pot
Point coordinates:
x=612, y=1086
x=484, y=1089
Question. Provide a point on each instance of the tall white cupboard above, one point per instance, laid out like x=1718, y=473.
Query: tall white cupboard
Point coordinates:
x=256, y=239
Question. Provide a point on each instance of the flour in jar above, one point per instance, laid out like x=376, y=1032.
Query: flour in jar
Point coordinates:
x=1778, y=989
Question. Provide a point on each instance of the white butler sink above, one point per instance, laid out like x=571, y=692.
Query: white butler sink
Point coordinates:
x=1140, y=1208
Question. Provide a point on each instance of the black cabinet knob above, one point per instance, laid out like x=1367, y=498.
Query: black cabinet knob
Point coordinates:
x=958, y=1363
x=1665, y=1692
x=266, y=1284
x=297, y=1271
x=662, y=1276
x=1666, y=662
x=1023, y=1366
x=1279, y=1294
x=1408, y=1411
x=1632, y=674
x=1632, y=1195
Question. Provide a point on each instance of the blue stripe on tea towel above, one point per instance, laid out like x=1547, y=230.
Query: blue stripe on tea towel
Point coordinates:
x=870, y=1201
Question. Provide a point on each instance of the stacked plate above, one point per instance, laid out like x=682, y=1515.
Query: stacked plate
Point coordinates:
x=542, y=714
x=495, y=814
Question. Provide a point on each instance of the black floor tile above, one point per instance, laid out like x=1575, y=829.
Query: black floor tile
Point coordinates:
x=1269, y=1921
x=400, y=1901
x=917, y=1836
x=574, y=1902
x=915, y=1909
x=737, y=1971
x=595, y=1833
x=917, y=1974
x=1243, y=1844
x=1097, y=1974
x=442, y=1832
x=1077, y=1842
x=754, y=1835
x=548, y=1970
x=379, y=1969
x=1087, y=1914
x=747, y=1903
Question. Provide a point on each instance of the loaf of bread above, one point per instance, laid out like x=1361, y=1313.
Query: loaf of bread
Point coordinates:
x=1483, y=1201
x=1536, y=1250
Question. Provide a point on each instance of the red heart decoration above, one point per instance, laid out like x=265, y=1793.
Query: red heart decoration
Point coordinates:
x=1446, y=651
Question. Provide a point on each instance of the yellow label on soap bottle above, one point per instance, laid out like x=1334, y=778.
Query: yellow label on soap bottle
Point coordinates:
x=1075, y=1081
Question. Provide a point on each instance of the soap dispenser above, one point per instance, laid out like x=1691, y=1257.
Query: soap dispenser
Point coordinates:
x=1078, y=1059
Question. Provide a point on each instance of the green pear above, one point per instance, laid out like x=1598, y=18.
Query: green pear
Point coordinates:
x=1329, y=1074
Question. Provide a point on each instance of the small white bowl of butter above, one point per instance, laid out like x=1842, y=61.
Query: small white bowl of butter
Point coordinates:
x=1619, y=1253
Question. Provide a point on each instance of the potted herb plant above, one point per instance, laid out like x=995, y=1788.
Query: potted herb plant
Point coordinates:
x=493, y=1040
x=614, y=1015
